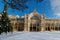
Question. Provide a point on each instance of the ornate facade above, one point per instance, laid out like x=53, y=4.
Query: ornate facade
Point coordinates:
x=34, y=22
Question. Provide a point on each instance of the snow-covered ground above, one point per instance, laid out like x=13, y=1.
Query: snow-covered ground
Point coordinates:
x=31, y=36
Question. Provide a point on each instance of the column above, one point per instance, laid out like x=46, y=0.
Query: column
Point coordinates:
x=25, y=23
x=32, y=27
x=42, y=27
x=28, y=29
x=14, y=29
x=36, y=27
x=54, y=25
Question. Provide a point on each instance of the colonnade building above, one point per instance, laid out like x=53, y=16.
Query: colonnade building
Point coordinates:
x=34, y=22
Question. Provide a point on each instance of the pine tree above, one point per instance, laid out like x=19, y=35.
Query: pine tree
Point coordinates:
x=0, y=25
x=5, y=22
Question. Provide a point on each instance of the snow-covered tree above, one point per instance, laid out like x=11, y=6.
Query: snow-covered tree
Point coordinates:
x=5, y=25
x=0, y=26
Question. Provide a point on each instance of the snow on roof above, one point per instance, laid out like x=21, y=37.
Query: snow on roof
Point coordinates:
x=14, y=16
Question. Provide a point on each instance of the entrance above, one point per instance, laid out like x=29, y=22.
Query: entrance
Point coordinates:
x=35, y=29
x=47, y=28
x=20, y=27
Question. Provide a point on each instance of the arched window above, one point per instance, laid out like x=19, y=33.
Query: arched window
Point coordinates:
x=34, y=18
x=35, y=21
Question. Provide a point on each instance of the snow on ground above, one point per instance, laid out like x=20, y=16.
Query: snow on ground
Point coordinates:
x=31, y=36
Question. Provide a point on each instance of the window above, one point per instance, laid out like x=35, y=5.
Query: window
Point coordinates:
x=35, y=18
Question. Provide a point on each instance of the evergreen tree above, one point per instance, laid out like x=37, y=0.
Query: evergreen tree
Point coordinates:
x=0, y=26
x=5, y=22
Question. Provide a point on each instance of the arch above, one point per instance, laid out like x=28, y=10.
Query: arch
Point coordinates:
x=35, y=18
x=20, y=26
x=35, y=23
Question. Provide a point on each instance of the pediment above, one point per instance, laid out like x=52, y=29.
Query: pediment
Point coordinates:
x=35, y=13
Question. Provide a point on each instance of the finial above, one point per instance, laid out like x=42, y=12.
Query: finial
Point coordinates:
x=34, y=11
x=44, y=15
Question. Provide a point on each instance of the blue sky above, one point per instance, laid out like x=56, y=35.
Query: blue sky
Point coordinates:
x=51, y=8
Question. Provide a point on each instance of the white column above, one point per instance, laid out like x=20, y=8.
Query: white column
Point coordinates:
x=26, y=23
x=42, y=27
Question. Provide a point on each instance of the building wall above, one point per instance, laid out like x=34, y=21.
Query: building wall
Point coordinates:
x=47, y=24
x=40, y=20
x=53, y=24
x=35, y=22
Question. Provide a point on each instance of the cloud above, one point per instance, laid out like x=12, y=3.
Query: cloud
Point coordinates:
x=55, y=5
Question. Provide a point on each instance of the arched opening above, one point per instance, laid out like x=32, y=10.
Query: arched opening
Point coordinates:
x=50, y=27
x=35, y=24
x=47, y=28
x=20, y=27
x=35, y=28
